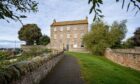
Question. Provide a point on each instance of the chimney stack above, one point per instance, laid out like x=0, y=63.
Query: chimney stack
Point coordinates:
x=86, y=18
x=54, y=21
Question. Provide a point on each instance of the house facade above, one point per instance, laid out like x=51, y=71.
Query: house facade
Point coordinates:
x=68, y=35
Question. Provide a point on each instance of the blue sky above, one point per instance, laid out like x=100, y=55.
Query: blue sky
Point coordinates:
x=63, y=10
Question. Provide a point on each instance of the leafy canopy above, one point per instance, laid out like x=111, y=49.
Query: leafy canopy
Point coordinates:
x=117, y=33
x=30, y=33
x=136, y=37
x=103, y=36
x=129, y=43
x=44, y=40
x=10, y=8
x=98, y=12
x=97, y=39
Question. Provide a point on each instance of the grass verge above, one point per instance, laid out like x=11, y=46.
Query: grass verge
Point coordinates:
x=99, y=70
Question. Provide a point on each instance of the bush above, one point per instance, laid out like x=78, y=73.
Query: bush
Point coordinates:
x=4, y=55
x=44, y=40
x=103, y=36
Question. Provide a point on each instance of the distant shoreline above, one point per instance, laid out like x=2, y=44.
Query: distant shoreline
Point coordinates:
x=11, y=44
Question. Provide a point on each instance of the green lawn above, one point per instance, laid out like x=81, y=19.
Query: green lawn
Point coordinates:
x=99, y=70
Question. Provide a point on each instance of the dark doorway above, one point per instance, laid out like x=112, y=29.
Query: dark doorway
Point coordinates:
x=67, y=47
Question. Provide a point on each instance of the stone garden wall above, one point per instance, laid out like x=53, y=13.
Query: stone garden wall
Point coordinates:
x=125, y=57
x=30, y=72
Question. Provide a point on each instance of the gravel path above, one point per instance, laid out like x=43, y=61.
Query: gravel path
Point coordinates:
x=67, y=71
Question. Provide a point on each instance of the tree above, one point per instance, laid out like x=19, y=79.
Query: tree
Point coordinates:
x=98, y=13
x=129, y=43
x=103, y=36
x=30, y=33
x=117, y=33
x=10, y=8
x=96, y=40
x=136, y=37
x=44, y=40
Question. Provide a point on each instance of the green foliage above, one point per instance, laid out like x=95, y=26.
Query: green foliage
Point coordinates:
x=10, y=8
x=44, y=40
x=97, y=39
x=34, y=51
x=129, y=43
x=117, y=33
x=97, y=3
x=47, y=50
x=4, y=55
x=136, y=37
x=30, y=33
x=102, y=36
x=15, y=71
x=99, y=70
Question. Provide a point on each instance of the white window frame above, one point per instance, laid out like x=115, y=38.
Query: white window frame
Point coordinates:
x=68, y=40
x=68, y=27
x=61, y=28
x=68, y=35
x=75, y=45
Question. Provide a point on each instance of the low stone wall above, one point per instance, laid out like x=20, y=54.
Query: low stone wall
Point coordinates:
x=29, y=72
x=125, y=57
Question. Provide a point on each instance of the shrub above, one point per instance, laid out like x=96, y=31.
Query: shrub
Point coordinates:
x=103, y=36
x=4, y=55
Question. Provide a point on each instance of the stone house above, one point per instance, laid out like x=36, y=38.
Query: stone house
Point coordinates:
x=68, y=35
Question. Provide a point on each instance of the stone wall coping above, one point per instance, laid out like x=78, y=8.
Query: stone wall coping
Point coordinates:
x=135, y=53
x=125, y=51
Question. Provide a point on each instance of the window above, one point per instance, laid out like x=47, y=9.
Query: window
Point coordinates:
x=75, y=46
x=75, y=35
x=68, y=35
x=68, y=41
x=61, y=28
x=68, y=28
x=75, y=43
x=82, y=44
x=54, y=29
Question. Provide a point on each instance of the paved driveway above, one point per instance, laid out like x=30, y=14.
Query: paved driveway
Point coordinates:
x=67, y=71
